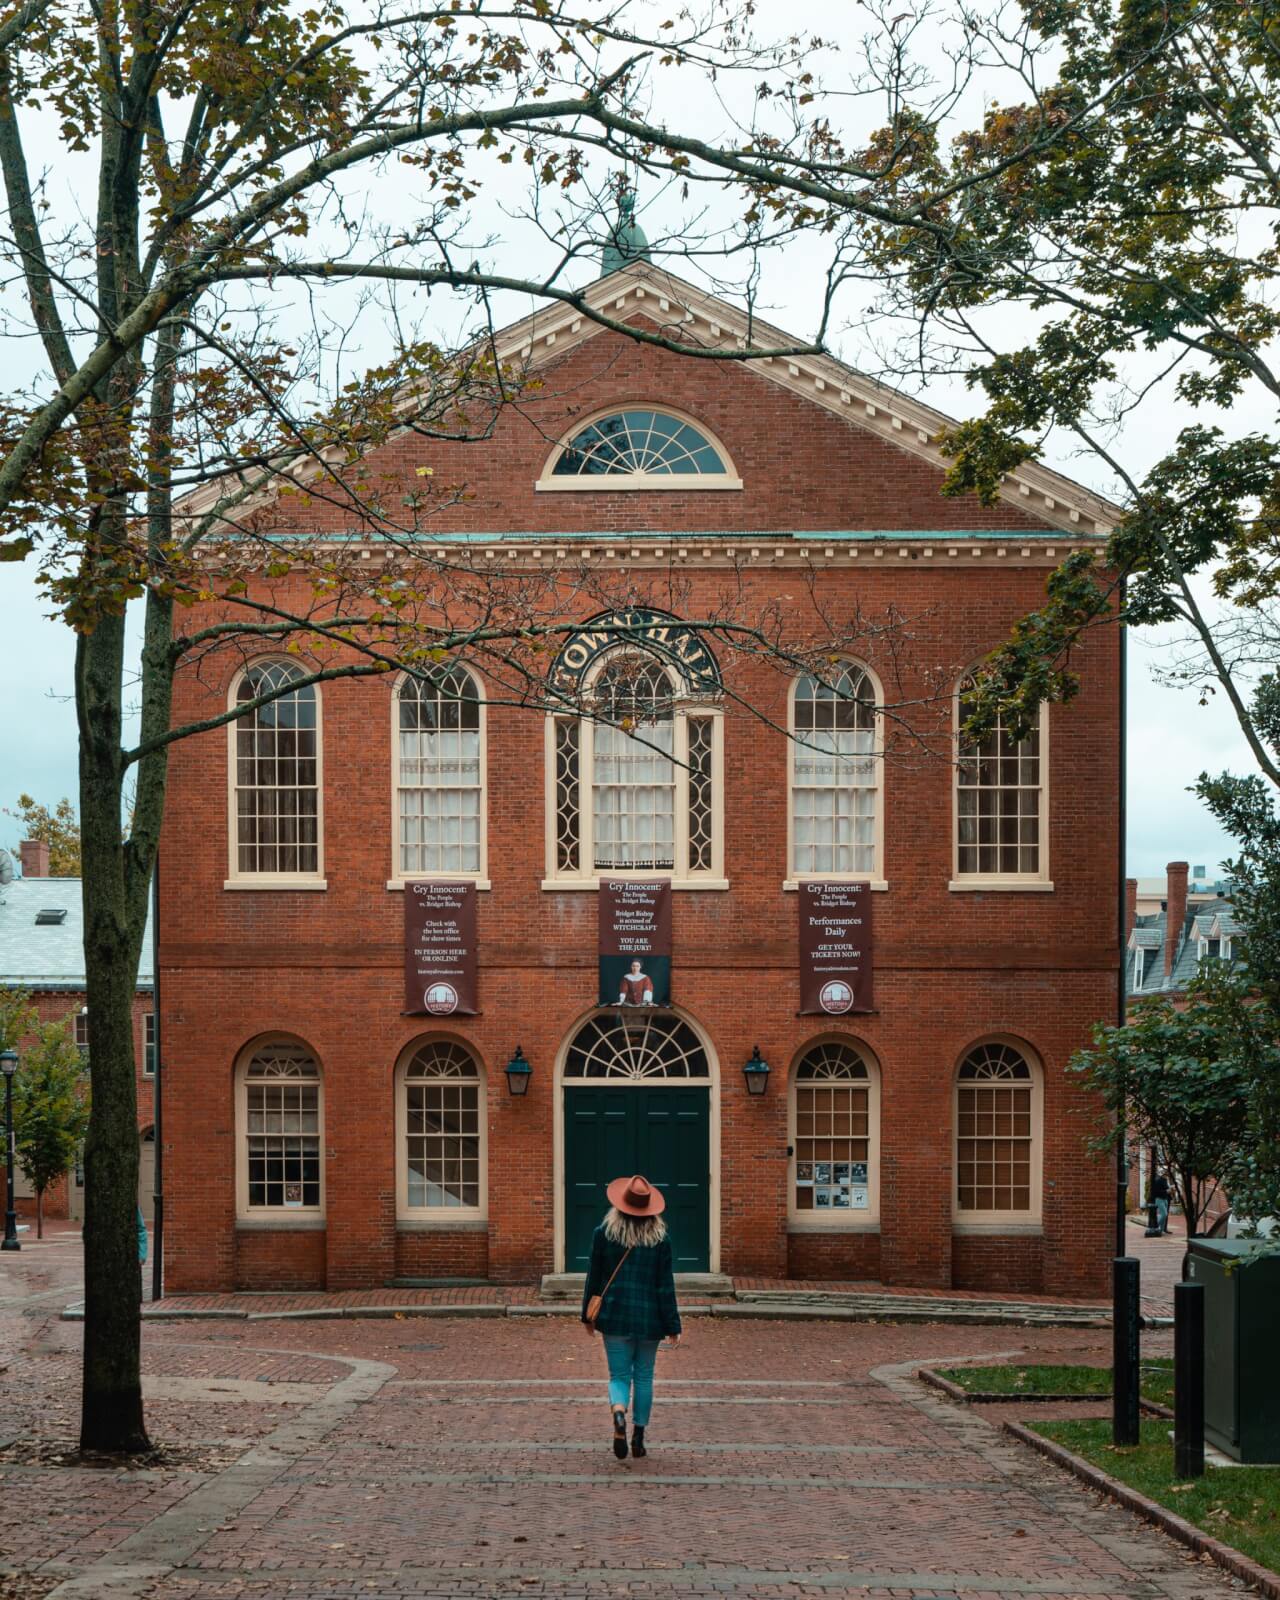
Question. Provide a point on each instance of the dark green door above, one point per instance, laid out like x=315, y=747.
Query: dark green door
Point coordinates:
x=663, y=1133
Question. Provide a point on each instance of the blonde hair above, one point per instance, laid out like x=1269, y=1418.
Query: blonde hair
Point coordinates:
x=633, y=1233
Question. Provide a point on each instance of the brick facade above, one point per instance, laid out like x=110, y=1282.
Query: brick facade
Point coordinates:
x=1039, y=966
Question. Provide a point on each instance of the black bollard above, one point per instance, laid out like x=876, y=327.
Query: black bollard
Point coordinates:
x=1188, y=1380
x=1124, y=1351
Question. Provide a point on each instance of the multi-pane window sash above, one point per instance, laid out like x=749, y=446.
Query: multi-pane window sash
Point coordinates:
x=442, y=1129
x=995, y=1131
x=149, y=1045
x=999, y=797
x=439, y=789
x=277, y=792
x=82, y=1031
x=833, y=1132
x=835, y=775
x=282, y=1129
x=634, y=785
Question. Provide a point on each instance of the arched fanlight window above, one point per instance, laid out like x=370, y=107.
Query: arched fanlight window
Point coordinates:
x=1001, y=801
x=835, y=775
x=275, y=756
x=440, y=771
x=998, y=1135
x=640, y=447
x=635, y=782
x=440, y=1117
x=619, y=1046
x=280, y=1115
x=835, y=1132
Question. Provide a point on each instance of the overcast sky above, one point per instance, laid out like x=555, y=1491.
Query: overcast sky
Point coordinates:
x=1172, y=738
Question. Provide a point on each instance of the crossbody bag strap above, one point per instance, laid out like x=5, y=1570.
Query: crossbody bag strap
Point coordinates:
x=615, y=1273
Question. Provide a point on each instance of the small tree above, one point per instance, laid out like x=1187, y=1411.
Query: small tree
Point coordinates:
x=50, y=1109
x=17, y=1016
x=1166, y=1078
x=59, y=829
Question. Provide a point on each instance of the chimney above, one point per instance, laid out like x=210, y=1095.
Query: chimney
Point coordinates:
x=1130, y=906
x=1175, y=911
x=35, y=858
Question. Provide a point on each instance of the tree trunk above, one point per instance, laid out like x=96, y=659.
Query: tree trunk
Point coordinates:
x=111, y=1405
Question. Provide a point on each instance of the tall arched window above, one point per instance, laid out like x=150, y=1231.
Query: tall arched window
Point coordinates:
x=636, y=785
x=835, y=1132
x=440, y=1160
x=1001, y=803
x=835, y=776
x=280, y=1123
x=275, y=756
x=641, y=447
x=440, y=772
x=998, y=1135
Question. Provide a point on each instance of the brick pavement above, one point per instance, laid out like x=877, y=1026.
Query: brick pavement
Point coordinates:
x=384, y=1458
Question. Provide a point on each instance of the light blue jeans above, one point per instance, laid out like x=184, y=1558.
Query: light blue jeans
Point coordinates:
x=631, y=1366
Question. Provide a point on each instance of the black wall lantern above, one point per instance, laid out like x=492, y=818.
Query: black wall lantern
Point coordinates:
x=518, y=1073
x=756, y=1072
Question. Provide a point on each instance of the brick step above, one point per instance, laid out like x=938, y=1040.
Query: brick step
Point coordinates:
x=704, y=1286
x=925, y=1307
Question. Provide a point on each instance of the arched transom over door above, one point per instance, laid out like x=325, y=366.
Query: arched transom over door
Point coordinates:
x=637, y=1098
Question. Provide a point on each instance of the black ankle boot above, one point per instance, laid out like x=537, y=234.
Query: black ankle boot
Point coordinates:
x=637, y=1442
x=620, y=1433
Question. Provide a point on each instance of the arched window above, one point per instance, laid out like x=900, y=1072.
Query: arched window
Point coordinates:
x=640, y=448
x=636, y=785
x=617, y=1045
x=1001, y=803
x=440, y=771
x=440, y=1115
x=998, y=1135
x=280, y=1122
x=835, y=1131
x=835, y=776
x=275, y=756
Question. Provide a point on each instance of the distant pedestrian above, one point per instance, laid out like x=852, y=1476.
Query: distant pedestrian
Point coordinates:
x=1160, y=1199
x=142, y=1238
x=630, y=1299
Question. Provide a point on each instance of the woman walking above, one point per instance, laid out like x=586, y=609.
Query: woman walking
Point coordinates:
x=630, y=1299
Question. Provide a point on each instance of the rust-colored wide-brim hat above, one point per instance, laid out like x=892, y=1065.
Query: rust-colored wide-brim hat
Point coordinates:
x=636, y=1196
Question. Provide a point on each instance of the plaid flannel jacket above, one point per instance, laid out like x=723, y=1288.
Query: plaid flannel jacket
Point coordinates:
x=642, y=1299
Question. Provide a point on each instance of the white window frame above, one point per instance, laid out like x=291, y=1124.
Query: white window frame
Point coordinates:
x=875, y=878
x=978, y=1222
x=438, y=1218
x=663, y=482
x=399, y=879
x=1034, y=882
x=837, y=1220
x=80, y=1034
x=148, y=1044
x=587, y=877
x=274, y=1216
x=236, y=879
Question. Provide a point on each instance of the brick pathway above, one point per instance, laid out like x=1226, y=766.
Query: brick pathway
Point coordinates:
x=386, y=1459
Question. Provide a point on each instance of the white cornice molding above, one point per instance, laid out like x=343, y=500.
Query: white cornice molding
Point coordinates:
x=641, y=289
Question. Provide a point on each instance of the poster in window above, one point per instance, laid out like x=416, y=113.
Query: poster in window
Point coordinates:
x=293, y=1194
x=835, y=948
x=440, y=949
x=635, y=942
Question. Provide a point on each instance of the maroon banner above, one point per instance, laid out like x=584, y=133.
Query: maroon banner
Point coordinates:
x=635, y=942
x=835, y=948
x=440, y=949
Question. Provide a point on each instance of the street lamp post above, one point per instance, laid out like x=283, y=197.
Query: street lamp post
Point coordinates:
x=9, y=1065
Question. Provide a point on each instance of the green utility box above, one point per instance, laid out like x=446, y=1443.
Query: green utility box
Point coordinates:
x=1241, y=1326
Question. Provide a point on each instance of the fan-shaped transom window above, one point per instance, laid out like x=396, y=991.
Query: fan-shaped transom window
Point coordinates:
x=835, y=1136
x=997, y=1134
x=835, y=775
x=442, y=1157
x=620, y=1047
x=280, y=1116
x=640, y=447
x=440, y=774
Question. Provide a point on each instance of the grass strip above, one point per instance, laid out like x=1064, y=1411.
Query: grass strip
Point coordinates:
x=1239, y=1506
x=1157, y=1380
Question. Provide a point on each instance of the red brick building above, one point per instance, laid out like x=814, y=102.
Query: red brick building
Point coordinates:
x=315, y=1136
x=42, y=954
